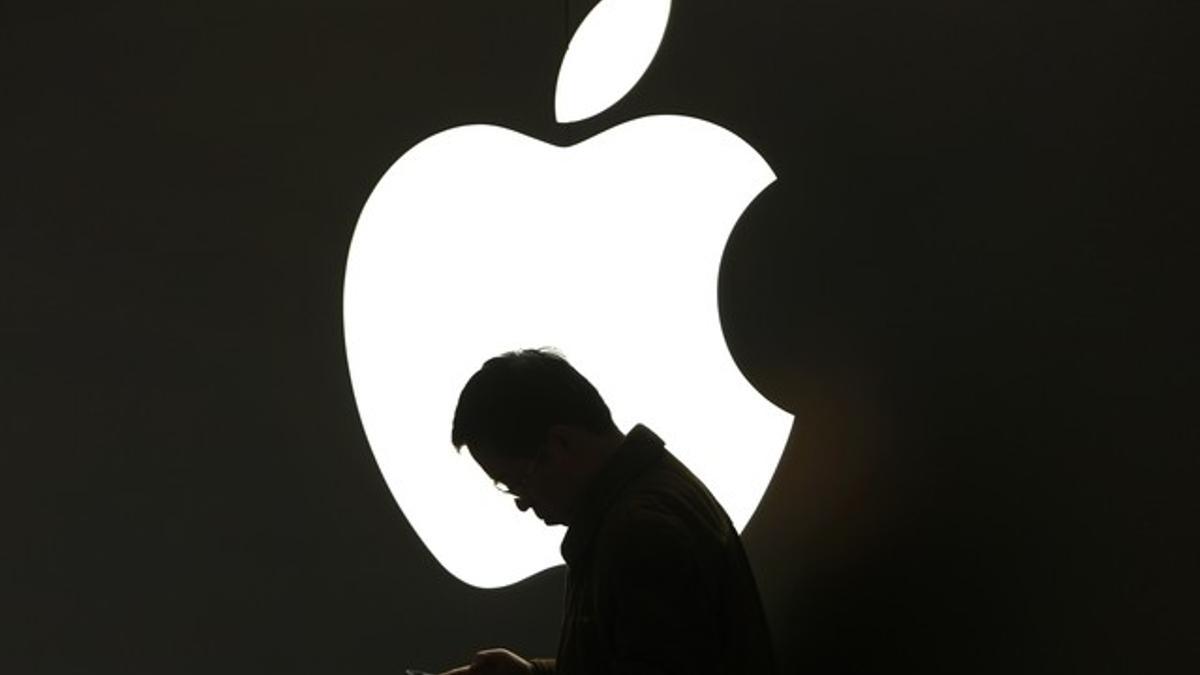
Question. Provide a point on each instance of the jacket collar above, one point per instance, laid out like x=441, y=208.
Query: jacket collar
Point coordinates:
x=637, y=452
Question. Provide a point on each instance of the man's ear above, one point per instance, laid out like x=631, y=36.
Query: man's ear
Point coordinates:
x=560, y=441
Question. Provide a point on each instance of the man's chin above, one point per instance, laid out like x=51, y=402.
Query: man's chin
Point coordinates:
x=548, y=519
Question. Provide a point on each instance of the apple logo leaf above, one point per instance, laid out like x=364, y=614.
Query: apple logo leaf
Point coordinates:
x=607, y=55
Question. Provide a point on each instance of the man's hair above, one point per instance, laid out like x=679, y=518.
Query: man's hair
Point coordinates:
x=516, y=397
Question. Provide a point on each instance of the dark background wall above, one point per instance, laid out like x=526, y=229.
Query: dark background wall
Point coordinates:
x=971, y=284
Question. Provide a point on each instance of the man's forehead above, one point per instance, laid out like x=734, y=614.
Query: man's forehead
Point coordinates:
x=490, y=460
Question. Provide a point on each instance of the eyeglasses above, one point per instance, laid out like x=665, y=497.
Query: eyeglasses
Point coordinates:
x=518, y=487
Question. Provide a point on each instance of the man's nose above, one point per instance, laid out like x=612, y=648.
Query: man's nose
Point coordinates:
x=522, y=503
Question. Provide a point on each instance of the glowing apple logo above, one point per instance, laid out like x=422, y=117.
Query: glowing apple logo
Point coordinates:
x=479, y=240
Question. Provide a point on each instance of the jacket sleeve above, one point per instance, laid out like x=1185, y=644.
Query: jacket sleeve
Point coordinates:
x=544, y=666
x=661, y=593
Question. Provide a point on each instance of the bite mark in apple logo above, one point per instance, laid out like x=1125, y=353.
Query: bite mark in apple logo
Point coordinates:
x=480, y=239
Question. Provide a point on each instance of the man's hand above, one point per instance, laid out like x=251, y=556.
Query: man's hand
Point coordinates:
x=494, y=662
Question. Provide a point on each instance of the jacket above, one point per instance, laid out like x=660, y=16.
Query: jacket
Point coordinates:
x=657, y=579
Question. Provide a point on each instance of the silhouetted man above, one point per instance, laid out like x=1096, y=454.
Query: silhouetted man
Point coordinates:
x=657, y=580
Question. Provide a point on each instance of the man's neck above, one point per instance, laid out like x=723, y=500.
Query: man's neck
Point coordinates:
x=599, y=449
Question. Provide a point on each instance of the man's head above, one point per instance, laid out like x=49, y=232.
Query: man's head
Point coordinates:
x=537, y=427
